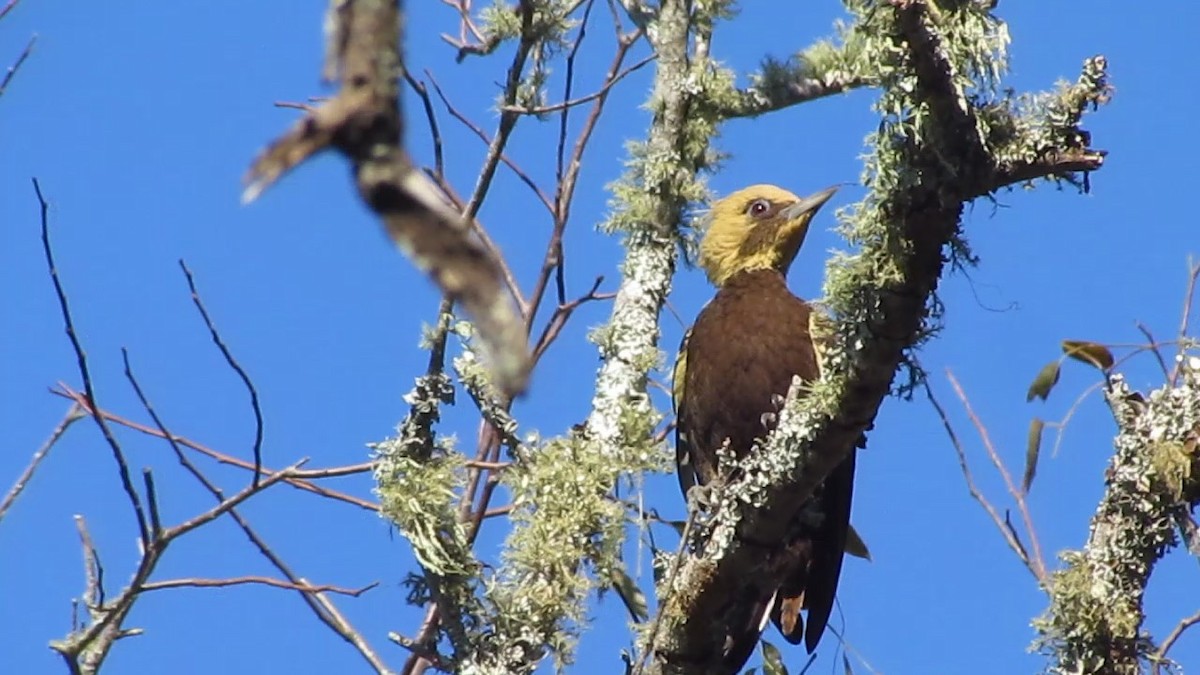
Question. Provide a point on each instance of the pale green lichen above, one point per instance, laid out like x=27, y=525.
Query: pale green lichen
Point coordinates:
x=1093, y=623
x=826, y=67
x=918, y=152
x=567, y=529
x=543, y=27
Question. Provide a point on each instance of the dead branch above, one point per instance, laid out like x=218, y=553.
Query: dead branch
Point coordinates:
x=1035, y=561
x=118, y=454
x=73, y=414
x=255, y=580
x=256, y=450
x=302, y=479
x=12, y=70
x=1159, y=659
x=1009, y=535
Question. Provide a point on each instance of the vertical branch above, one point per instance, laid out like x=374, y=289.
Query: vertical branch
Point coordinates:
x=560, y=489
x=1094, y=622
x=931, y=155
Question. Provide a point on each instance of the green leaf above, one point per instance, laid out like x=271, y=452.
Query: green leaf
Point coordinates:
x=1090, y=353
x=631, y=595
x=855, y=545
x=1033, y=448
x=1046, y=378
x=772, y=660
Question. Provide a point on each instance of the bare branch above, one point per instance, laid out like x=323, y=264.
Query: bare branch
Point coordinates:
x=118, y=455
x=1036, y=562
x=1184, y=321
x=73, y=414
x=12, y=70
x=303, y=587
x=520, y=173
x=976, y=494
x=575, y=102
x=1160, y=657
x=237, y=368
x=300, y=481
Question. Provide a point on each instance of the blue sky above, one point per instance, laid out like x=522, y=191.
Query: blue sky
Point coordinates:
x=139, y=121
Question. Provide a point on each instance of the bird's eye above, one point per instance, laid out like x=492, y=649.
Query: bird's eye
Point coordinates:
x=759, y=208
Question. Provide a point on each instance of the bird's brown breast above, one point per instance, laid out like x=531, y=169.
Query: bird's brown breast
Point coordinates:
x=745, y=347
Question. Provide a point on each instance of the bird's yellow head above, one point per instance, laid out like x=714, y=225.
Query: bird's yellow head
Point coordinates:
x=759, y=227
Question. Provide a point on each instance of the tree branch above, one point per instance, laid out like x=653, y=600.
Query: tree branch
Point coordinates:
x=562, y=488
x=931, y=156
x=1094, y=622
x=364, y=122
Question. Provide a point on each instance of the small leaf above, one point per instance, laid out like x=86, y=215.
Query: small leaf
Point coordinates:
x=1089, y=352
x=772, y=660
x=1033, y=448
x=1046, y=378
x=631, y=595
x=855, y=545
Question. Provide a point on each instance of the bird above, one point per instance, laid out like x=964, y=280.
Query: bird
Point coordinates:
x=734, y=369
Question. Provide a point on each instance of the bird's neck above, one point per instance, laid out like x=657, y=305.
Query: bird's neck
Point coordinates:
x=756, y=278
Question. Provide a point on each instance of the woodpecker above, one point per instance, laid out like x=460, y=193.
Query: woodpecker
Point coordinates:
x=735, y=366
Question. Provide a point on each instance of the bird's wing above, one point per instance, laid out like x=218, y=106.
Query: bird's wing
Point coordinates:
x=828, y=548
x=685, y=469
x=822, y=331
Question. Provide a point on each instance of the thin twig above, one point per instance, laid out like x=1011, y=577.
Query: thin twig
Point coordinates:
x=562, y=314
x=1193, y=277
x=435, y=133
x=12, y=70
x=75, y=412
x=676, y=563
x=8, y=7
x=1038, y=562
x=85, y=373
x=303, y=587
x=972, y=488
x=301, y=479
x=1160, y=656
x=1061, y=425
x=1152, y=346
x=573, y=103
x=483, y=136
x=233, y=363
x=93, y=571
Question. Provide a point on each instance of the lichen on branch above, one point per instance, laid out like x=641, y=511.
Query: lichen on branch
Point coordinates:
x=567, y=531
x=1094, y=622
x=938, y=66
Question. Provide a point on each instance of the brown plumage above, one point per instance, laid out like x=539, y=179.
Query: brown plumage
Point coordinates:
x=735, y=367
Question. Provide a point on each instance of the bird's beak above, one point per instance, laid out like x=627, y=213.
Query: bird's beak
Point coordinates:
x=808, y=205
x=793, y=226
